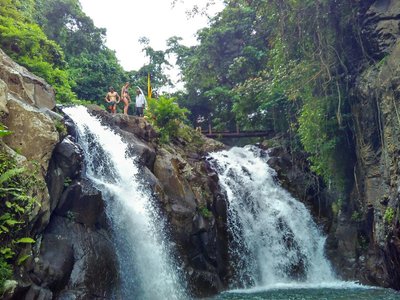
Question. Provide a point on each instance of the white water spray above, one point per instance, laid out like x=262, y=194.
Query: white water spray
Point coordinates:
x=274, y=239
x=146, y=266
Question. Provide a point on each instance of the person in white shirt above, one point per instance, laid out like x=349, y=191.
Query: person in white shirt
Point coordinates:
x=140, y=103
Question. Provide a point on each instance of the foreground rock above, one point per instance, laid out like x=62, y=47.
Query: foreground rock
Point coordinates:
x=30, y=88
x=73, y=256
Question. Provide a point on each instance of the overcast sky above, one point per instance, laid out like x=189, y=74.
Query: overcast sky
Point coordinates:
x=128, y=20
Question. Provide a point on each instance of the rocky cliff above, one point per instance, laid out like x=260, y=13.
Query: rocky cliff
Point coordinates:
x=188, y=195
x=71, y=231
x=367, y=234
x=364, y=234
x=72, y=255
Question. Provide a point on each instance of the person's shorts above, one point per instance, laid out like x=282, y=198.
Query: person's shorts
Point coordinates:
x=139, y=111
x=111, y=103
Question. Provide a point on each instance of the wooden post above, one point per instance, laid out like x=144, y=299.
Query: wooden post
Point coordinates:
x=209, y=128
x=237, y=128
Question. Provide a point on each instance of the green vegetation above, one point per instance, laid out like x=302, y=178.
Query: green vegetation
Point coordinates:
x=205, y=212
x=17, y=194
x=55, y=40
x=5, y=273
x=28, y=45
x=62, y=130
x=166, y=116
x=356, y=216
x=279, y=65
x=4, y=131
x=389, y=215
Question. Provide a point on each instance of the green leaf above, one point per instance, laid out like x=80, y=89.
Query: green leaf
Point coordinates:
x=4, y=132
x=22, y=259
x=5, y=216
x=7, y=252
x=25, y=240
x=4, y=229
x=11, y=173
x=12, y=222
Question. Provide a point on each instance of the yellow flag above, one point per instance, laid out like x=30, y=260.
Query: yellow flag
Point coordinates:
x=149, y=91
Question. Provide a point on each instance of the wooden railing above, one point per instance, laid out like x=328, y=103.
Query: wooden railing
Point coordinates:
x=237, y=134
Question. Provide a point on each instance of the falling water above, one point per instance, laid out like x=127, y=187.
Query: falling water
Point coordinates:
x=147, y=269
x=274, y=239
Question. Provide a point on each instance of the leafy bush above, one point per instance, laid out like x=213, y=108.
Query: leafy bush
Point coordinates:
x=4, y=131
x=205, y=212
x=389, y=215
x=166, y=116
x=17, y=186
x=5, y=273
x=29, y=46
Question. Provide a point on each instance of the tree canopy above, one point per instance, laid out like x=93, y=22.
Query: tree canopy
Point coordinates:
x=281, y=65
x=56, y=40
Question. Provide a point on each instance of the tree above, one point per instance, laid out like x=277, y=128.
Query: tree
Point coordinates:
x=93, y=66
x=230, y=51
x=27, y=44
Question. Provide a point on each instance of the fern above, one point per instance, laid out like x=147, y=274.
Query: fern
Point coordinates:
x=11, y=173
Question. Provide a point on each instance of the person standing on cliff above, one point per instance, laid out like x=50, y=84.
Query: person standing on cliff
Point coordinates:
x=140, y=103
x=112, y=98
x=125, y=97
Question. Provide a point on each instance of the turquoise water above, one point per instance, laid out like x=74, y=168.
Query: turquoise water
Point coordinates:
x=311, y=294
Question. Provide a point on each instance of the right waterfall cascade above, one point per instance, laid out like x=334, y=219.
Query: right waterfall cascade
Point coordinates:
x=274, y=238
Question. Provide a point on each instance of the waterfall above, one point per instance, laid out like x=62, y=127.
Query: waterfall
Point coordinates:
x=274, y=240
x=147, y=269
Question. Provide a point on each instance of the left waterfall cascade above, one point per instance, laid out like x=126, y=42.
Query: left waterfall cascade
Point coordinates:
x=147, y=266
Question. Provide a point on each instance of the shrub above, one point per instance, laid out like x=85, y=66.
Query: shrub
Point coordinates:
x=17, y=186
x=5, y=273
x=205, y=212
x=389, y=215
x=166, y=116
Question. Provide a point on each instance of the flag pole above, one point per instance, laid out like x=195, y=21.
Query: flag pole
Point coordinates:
x=149, y=91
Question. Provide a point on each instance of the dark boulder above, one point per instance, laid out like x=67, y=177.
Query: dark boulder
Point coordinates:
x=76, y=261
x=82, y=203
x=69, y=157
x=65, y=165
x=53, y=266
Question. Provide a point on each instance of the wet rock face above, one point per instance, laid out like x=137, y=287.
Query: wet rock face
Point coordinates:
x=31, y=89
x=196, y=211
x=74, y=257
x=365, y=238
x=136, y=131
x=294, y=175
x=375, y=111
x=73, y=263
x=65, y=166
x=381, y=26
x=132, y=124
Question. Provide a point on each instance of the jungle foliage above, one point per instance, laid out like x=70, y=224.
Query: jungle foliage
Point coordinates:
x=57, y=41
x=18, y=189
x=284, y=65
x=166, y=116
